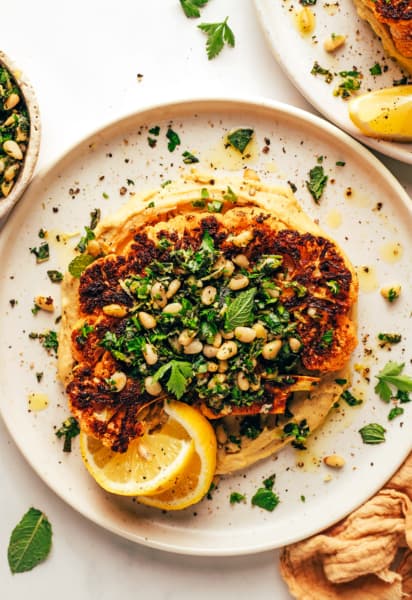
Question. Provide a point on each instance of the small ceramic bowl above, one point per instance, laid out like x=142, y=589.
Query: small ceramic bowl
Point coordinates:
x=19, y=137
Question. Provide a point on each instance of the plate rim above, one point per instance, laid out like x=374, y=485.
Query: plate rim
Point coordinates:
x=384, y=147
x=185, y=104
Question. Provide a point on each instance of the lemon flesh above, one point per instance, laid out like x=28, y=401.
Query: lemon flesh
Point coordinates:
x=384, y=114
x=192, y=483
x=150, y=465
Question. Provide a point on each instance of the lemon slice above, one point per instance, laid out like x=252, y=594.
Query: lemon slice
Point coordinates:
x=150, y=464
x=194, y=481
x=385, y=114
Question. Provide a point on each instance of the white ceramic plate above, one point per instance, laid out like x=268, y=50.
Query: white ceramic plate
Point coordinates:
x=92, y=175
x=296, y=54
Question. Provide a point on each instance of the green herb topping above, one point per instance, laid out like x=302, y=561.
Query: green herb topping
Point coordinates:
x=237, y=498
x=373, y=433
x=30, y=541
x=191, y=7
x=217, y=35
x=240, y=139
x=55, y=276
x=174, y=140
x=265, y=497
x=317, y=182
x=390, y=377
x=42, y=253
x=68, y=430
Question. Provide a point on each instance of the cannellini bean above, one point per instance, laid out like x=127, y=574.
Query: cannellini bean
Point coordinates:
x=172, y=288
x=173, y=308
x=241, y=261
x=118, y=381
x=115, y=310
x=246, y=335
x=147, y=320
x=212, y=367
x=93, y=248
x=312, y=312
x=273, y=293
x=158, y=294
x=6, y=187
x=150, y=354
x=209, y=351
x=11, y=101
x=208, y=295
x=223, y=366
x=227, y=350
x=260, y=330
x=11, y=148
x=2, y=165
x=11, y=172
x=217, y=340
x=238, y=282
x=45, y=303
x=228, y=268
x=227, y=335
x=254, y=387
x=334, y=460
x=194, y=347
x=216, y=380
x=294, y=344
x=242, y=382
x=271, y=349
x=152, y=387
x=186, y=337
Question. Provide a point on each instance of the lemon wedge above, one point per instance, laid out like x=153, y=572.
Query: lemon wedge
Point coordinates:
x=150, y=464
x=194, y=481
x=384, y=114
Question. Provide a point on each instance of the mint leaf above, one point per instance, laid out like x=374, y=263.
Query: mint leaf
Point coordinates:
x=217, y=35
x=79, y=264
x=373, y=433
x=191, y=7
x=180, y=374
x=240, y=138
x=239, y=311
x=317, y=182
x=30, y=542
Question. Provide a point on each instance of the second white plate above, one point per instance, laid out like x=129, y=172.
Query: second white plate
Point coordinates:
x=297, y=55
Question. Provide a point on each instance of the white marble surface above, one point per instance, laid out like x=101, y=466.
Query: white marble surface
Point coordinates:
x=83, y=58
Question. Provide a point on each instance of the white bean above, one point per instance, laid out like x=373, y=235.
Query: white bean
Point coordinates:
x=152, y=387
x=246, y=335
x=115, y=310
x=238, y=282
x=150, y=354
x=208, y=295
x=227, y=350
x=294, y=344
x=194, y=347
x=242, y=382
x=217, y=340
x=11, y=101
x=242, y=239
x=173, y=287
x=260, y=330
x=186, y=337
x=158, y=294
x=118, y=381
x=147, y=320
x=11, y=148
x=241, y=261
x=271, y=349
x=209, y=351
x=173, y=308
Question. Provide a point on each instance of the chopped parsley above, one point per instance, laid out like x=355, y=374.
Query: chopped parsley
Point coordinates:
x=390, y=338
x=240, y=138
x=174, y=140
x=155, y=130
x=317, y=182
x=237, y=498
x=265, y=498
x=55, y=276
x=350, y=83
x=333, y=286
x=327, y=338
x=300, y=431
x=318, y=70
x=42, y=253
x=350, y=399
x=215, y=206
x=396, y=411
x=68, y=430
x=376, y=69
x=189, y=158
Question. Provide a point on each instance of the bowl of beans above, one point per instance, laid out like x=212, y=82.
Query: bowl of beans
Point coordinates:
x=19, y=134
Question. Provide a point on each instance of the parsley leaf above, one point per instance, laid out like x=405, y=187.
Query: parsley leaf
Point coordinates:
x=389, y=377
x=191, y=7
x=174, y=139
x=189, y=158
x=239, y=311
x=396, y=411
x=217, y=35
x=236, y=498
x=240, y=138
x=30, y=541
x=373, y=433
x=68, y=430
x=180, y=372
x=266, y=499
x=317, y=182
